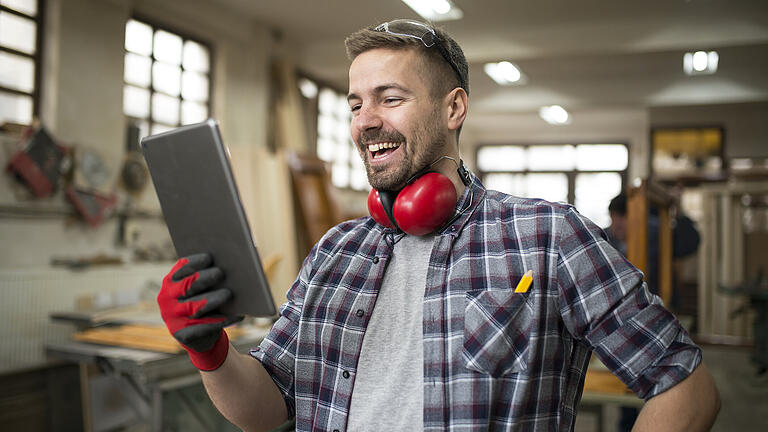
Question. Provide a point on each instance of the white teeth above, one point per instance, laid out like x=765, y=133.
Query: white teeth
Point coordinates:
x=379, y=146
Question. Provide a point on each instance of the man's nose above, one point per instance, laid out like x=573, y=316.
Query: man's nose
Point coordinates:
x=366, y=119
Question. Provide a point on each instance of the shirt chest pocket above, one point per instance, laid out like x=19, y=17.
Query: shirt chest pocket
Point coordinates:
x=497, y=326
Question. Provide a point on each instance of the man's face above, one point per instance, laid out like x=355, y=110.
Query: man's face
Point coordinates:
x=619, y=225
x=396, y=124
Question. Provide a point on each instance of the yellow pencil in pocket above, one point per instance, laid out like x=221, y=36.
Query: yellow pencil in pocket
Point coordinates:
x=525, y=282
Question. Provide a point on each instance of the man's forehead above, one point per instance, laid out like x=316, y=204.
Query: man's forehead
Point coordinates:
x=384, y=67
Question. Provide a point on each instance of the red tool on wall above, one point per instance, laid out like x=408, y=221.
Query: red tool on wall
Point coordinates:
x=38, y=163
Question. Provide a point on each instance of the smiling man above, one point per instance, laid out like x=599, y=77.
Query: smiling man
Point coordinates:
x=481, y=319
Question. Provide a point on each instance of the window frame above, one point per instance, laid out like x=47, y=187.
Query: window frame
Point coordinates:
x=37, y=57
x=570, y=174
x=185, y=36
x=312, y=108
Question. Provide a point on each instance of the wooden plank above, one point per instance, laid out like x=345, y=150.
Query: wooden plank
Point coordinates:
x=146, y=337
x=637, y=227
x=603, y=381
x=665, y=256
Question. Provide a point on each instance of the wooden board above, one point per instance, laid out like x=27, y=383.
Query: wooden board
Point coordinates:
x=146, y=337
x=603, y=381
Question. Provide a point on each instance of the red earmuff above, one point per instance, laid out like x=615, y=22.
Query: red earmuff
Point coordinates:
x=376, y=209
x=420, y=208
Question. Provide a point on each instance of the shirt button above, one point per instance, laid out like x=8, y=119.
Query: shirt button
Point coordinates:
x=375, y=260
x=360, y=313
x=345, y=374
x=453, y=228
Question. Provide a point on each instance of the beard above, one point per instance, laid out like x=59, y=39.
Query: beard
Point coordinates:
x=426, y=146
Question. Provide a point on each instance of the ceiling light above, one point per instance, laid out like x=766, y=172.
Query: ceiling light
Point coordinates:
x=554, y=115
x=504, y=73
x=700, y=62
x=435, y=10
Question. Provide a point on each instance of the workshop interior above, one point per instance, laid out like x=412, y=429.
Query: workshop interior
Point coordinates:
x=664, y=102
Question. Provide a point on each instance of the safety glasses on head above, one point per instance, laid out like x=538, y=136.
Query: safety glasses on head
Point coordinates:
x=424, y=33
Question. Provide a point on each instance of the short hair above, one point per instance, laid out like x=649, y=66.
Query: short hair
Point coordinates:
x=444, y=80
x=618, y=204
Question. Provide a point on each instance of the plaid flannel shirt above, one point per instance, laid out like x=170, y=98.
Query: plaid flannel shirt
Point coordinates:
x=493, y=359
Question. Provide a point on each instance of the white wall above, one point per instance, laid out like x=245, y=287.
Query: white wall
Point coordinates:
x=82, y=106
x=746, y=128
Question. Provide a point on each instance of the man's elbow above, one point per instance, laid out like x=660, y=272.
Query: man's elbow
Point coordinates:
x=716, y=402
x=706, y=395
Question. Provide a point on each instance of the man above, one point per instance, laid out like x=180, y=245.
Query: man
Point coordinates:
x=389, y=331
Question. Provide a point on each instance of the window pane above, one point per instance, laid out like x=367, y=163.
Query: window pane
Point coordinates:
x=17, y=33
x=325, y=126
x=594, y=192
x=17, y=72
x=15, y=108
x=165, y=109
x=340, y=175
x=143, y=128
x=358, y=179
x=193, y=112
x=138, y=38
x=551, y=158
x=512, y=184
x=342, y=107
x=194, y=86
x=551, y=187
x=160, y=128
x=341, y=152
x=138, y=70
x=501, y=158
x=136, y=102
x=196, y=57
x=28, y=7
x=166, y=78
x=601, y=157
x=325, y=149
x=327, y=101
x=342, y=130
x=167, y=47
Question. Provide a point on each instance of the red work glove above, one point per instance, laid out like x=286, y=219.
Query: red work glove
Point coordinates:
x=189, y=308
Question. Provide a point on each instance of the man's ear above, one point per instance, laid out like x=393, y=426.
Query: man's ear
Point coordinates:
x=456, y=102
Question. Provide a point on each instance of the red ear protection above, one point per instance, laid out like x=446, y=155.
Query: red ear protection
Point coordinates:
x=420, y=208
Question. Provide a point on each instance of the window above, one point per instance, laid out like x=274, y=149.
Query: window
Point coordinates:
x=20, y=45
x=167, y=78
x=334, y=143
x=585, y=175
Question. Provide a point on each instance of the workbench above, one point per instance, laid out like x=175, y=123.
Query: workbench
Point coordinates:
x=145, y=379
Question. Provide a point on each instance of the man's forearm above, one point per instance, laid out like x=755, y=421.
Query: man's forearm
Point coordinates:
x=691, y=405
x=244, y=393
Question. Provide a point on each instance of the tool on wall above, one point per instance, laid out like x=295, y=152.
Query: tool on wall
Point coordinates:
x=39, y=164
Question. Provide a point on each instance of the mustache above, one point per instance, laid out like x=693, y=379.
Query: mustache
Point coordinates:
x=377, y=136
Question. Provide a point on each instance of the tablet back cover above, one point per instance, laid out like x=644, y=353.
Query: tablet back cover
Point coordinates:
x=198, y=195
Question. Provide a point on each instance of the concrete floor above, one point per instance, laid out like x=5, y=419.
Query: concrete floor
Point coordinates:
x=744, y=395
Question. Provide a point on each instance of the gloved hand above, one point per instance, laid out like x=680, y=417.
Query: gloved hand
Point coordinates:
x=189, y=308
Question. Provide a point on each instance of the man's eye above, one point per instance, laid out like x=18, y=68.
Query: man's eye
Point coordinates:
x=354, y=108
x=390, y=100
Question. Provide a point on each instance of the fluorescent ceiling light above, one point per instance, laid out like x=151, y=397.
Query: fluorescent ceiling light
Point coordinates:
x=435, y=10
x=700, y=62
x=504, y=73
x=554, y=115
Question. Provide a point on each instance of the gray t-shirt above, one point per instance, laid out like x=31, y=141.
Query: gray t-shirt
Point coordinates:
x=388, y=393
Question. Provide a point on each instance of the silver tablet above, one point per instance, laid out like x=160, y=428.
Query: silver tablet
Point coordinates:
x=201, y=205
